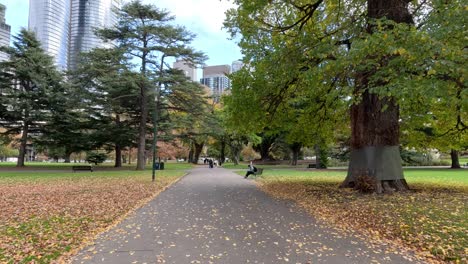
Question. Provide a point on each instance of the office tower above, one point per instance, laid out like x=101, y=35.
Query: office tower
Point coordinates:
x=237, y=65
x=86, y=17
x=215, y=78
x=50, y=19
x=66, y=27
x=4, y=33
x=189, y=71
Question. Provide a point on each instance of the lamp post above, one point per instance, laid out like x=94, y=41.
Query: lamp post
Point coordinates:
x=155, y=116
x=155, y=133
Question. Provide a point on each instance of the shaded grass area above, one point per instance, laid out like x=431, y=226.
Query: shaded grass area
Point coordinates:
x=432, y=218
x=462, y=160
x=46, y=215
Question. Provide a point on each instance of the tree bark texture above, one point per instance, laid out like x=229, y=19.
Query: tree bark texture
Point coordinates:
x=295, y=149
x=374, y=121
x=236, y=149
x=264, y=147
x=142, y=129
x=124, y=157
x=23, y=142
x=118, y=156
x=190, y=154
x=222, y=155
x=67, y=156
x=455, y=160
x=318, y=161
x=198, y=150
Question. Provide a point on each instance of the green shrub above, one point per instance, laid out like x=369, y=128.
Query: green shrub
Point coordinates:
x=95, y=157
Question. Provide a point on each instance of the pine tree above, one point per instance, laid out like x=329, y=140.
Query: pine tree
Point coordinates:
x=146, y=34
x=30, y=86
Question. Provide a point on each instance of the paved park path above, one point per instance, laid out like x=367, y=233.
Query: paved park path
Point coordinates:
x=216, y=216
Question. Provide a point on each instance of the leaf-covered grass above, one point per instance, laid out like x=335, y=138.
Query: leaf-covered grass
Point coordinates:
x=104, y=166
x=432, y=218
x=46, y=215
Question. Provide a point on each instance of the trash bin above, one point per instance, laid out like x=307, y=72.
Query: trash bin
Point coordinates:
x=159, y=166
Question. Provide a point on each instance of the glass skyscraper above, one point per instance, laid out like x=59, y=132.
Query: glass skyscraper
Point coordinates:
x=86, y=17
x=66, y=27
x=5, y=31
x=50, y=19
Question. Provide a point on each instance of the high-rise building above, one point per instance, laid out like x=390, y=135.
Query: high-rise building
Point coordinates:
x=50, y=19
x=189, y=71
x=5, y=30
x=237, y=65
x=66, y=27
x=86, y=17
x=215, y=78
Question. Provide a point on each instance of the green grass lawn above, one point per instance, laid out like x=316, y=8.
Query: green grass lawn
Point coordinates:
x=433, y=217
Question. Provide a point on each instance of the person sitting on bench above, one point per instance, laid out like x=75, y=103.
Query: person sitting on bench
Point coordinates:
x=251, y=170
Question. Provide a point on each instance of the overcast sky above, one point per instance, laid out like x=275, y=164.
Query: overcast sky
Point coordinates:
x=202, y=17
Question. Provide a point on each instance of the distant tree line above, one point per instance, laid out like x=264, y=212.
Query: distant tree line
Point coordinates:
x=113, y=99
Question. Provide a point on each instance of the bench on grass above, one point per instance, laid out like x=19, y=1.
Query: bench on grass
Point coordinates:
x=82, y=168
x=258, y=172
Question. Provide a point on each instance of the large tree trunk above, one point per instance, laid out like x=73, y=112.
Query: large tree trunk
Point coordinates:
x=118, y=156
x=130, y=156
x=374, y=121
x=375, y=145
x=222, y=155
x=198, y=150
x=295, y=149
x=264, y=147
x=190, y=154
x=235, y=151
x=67, y=158
x=235, y=159
x=124, y=157
x=142, y=129
x=117, y=147
x=455, y=160
x=264, y=150
x=23, y=142
x=318, y=161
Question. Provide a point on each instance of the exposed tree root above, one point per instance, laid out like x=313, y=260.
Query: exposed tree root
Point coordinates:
x=372, y=185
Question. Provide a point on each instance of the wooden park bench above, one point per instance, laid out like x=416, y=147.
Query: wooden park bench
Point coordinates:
x=258, y=172
x=82, y=168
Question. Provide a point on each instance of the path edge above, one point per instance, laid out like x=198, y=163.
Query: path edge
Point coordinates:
x=68, y=256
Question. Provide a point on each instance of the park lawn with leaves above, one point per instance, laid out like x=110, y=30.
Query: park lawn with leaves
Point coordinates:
x=102, y=166
x=47, y=216
x=432, y=218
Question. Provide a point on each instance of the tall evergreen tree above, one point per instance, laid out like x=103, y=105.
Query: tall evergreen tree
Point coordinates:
x=30, y=87
x=109, y=96
x=146, y=34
